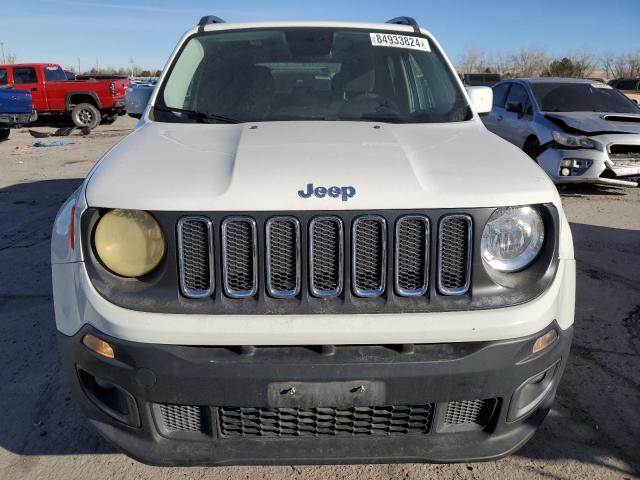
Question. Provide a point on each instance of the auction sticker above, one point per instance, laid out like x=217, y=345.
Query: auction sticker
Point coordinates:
x=399, y=41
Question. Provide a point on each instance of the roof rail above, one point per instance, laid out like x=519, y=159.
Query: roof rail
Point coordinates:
x=406, y=21
x=208, y=19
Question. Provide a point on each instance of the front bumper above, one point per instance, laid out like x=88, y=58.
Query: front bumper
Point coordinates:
x=601, y=171
x=286, y=385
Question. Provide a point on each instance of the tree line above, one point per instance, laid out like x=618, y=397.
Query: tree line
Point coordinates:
x=532, y=62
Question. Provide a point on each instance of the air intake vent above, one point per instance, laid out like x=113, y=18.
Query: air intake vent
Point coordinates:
x=325, y=422
x=369, y=256
x=454, y=254
x=412, y=255
x=326, y=256
x=195, y=246
x=181, y=418
x=283, y=257
x=239, y=257
x=466, y=415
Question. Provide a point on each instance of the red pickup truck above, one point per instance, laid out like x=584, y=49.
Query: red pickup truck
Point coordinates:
x=90, y=102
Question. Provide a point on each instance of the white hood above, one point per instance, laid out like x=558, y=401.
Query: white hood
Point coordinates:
x=251, y=167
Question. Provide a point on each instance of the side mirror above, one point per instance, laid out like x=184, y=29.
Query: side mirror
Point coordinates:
x=136, y=100
x=514, y=107
x=481, y=99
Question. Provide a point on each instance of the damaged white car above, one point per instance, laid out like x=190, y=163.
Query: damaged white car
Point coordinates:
x=579, y=131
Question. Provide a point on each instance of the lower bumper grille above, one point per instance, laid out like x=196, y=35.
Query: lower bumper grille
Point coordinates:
x=467, y=411
x=181, y=418
x=391, y=420
x=325, y=422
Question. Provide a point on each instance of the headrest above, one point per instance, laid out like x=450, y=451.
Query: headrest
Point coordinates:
x=357, y=76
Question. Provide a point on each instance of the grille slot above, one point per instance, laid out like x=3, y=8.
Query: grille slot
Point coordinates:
x=369, y=256
x=326, y=256
x=283, y=256
x=195, y=247
x=325, y=421
x=239, y=257
x=624, y=154
x=412, y=255
x=181, y=418
x=454, y=254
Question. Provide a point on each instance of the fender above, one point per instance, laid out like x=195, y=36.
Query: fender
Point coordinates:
x=93, y=95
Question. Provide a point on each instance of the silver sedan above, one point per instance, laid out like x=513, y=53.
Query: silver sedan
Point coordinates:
x=579, y=131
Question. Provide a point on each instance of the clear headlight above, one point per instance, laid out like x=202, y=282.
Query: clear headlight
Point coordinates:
x=575, y=141
x=130, y=243
x=512, y=238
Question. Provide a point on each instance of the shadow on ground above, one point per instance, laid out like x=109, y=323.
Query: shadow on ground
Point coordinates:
x=580, y=190
x=594, y=420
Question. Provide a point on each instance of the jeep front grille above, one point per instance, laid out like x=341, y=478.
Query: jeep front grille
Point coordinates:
x=239, y=257
x=195, y=243
x=285, y=253
x=454, y=254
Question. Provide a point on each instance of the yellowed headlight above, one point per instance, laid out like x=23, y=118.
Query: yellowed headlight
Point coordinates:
x=130, y=243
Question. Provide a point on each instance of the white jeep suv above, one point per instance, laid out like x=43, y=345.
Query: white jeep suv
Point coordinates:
x=311, y=250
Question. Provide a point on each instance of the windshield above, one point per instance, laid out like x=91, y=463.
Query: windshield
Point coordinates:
x=581, y=97
x=310, y=74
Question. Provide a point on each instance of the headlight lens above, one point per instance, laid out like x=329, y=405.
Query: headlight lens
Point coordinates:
x=512, y=238
x=130, y=243
x=574, y=141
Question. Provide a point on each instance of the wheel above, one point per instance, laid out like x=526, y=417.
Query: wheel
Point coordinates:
x=85, y=115
x=532, y=147
x=4, y=134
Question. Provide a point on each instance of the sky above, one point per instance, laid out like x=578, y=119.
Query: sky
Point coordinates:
x=113, y=32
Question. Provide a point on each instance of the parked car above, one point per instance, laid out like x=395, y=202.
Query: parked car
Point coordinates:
x=481, y=79
x=281, y=266
x=137, y=97
x=629, y=86
x=89, y=102
x=578, y=131
x=16, y=109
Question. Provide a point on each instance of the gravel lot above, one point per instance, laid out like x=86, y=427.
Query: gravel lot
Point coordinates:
x=593, y=431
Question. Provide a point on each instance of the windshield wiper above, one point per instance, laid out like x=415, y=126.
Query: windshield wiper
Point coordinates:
x=200, y=116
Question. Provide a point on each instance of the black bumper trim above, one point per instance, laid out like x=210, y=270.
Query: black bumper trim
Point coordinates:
x=209, y=377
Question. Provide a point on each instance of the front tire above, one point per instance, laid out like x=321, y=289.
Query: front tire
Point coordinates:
x=4, y=134
x=85, y=115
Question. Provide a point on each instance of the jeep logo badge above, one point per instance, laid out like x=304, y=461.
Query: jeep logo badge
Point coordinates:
x=334, y=192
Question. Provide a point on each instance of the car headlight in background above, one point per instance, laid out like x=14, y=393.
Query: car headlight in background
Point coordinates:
x=130, y=243
x=512, y=238
x=574, y=141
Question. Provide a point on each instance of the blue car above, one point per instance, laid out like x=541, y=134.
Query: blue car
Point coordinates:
x=16, y=109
